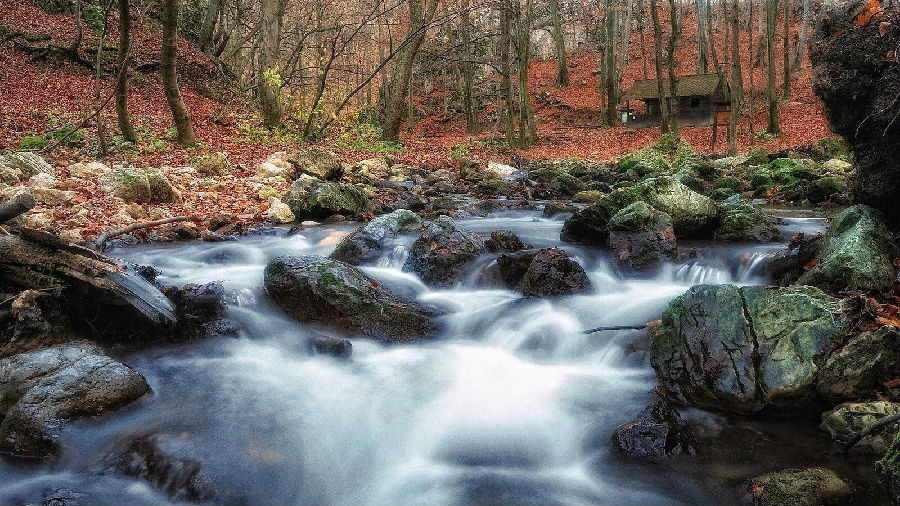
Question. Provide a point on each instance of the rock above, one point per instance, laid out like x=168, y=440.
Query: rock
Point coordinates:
x=692, y=213
x=131, y=185
x=309, y=198
x=857, y=253
x=504, y=241
x=746, y=349
x=657, y=432
x=858, y=91
x=89, y=169
x=668, y=156
x=798, y=487
x=199, y=308
x=888, y=469
x=587, y=196
x=274, y=167
x=42, y=390
x=135, y=211
x=213, y=164
x=551, y=183
x=368, y=171
x=554, y=208
x=321, y=290
x=23, y=165
x=158, y=459
x=837, y=166
x=161, y=191
x=642, y=238
x=52, y=196
x=591, y=224
x=441, y=253
x=365, y=244
x=862, y=366
x=507, y=172
x=846, y=421
x=42, y=180
x=279, y=212
x=35, y=320
x=326, y=345
x=826, y=188
x=513, y=265
x=742, y=221
x=552, y=273
x=316, y=162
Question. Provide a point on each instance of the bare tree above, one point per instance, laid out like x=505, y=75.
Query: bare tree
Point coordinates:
x=801, y=44
x=660, y=80
x=562, y=70
x=268, y=72
x=673, y=77
x=771, y=13
x=167, y=57
x=787, y=48
x=128, y=132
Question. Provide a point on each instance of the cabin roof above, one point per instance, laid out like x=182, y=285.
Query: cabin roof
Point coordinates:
x=688, y=86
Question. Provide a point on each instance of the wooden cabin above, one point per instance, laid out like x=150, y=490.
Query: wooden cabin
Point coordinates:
x=702, y=101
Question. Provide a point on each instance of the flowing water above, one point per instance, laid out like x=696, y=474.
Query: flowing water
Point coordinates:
x=512, y=405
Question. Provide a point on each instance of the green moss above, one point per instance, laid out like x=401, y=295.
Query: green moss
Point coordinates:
x=732, y=183
x=493, y=187
x=32, y=142
x=824, y=189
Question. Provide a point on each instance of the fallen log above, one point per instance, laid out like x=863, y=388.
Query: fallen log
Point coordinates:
x=110, y=234
x=99, y=293
x=19, y=204
x=615, y=327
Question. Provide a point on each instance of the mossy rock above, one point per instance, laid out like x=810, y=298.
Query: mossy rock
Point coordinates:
x=669, y=155
x=132, y=185
x=440, y=255
x=847, y=420
x=888, y=469
x=365, y=245
x=493, y=187
x=555, y=183
x=213, y=164
x=830, y=147
x=692, y=213
x=587, y=196
x=826, y=188
x=720, y=194
x=799, y=487
x=742, y=221
x=310, y=198
x=642, y=238
x=733, y=183
x=793, y=192
x=857, y=253
x=686, y=178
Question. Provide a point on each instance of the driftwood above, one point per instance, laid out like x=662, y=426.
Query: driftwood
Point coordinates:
x=110, y=234
x=101, y=292
x=15, y=206
x=615, y=327
x=868, y=430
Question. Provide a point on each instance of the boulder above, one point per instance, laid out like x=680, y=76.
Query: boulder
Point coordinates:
x=742, y=221
x=888, y=469
x=333, y=346
x=692, y=213
x=131, y=184
x=213, y=164
x=159, y=460
x=22, y=165
x=553, y=208
x=368, y=171
x=329, y=292
x=669, y=155
x=161, y=190
x=200, y=309
x=279, y=212
x=442, y=252
x=798, y=487
x=310, y=198
x=42, y=390
x=746, y=349
x=512, y=266
x=504, y=241
x=552, y=183
x=857, y=253
x=365, y=244
x=315, y=162
x=591, y=224
x=861, y=366
x=552, y=273
x=826, y=188
x=642, y=238
x=847, y=420
x=275, y=166
x=657, y=432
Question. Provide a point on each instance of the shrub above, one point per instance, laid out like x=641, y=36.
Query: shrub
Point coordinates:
x=33, y=142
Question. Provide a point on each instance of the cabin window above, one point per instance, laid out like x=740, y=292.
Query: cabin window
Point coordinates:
x=695, y=102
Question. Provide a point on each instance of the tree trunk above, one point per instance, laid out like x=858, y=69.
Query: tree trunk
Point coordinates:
x=623, y=48
x=702, y=44
x=527, y=129
x=787, y=48
x=771, y=95
x=269, y=75
x=673, y=78
x=467, y=70
x=79, y=28
x=420, y=16
x=562, y=70
x=609, y=57
x=506, y=68
x=801, y=44
x=737, y=77
x=205, y=38
x=128, y=132
x=641, y=21
x=660, y=80
x=167, y=57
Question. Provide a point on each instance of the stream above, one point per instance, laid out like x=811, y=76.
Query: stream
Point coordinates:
x=512, y=405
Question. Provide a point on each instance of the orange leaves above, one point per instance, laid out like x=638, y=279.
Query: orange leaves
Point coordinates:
x=870, y=10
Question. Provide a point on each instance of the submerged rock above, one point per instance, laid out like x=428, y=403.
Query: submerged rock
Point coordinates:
x=42, y=390
x=847, y=420
x=441, y=253
x=505, y=241
x=309, y=198
x=333, y=346
x=657, y=432
x=746, y=349
x=861, y=366
x=857, y=253
x=321, y=290
x=548, y=272
x=156, y=460
x=743, y=221
x=365, y=245
x=798, y=487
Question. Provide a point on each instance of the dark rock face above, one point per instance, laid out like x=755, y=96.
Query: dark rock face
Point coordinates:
x=642, y=238
x=746, y=349
x=155, y=460
x=504, y=241
x=863, y=365
x=365, y=245
x=888, y=469
x=42, y=390
x=857, y=253
x=199, y=308
x=798, y=487
x=317, y=289
x=550, y=273
x=333, y=346
x=856, y=75
x=657, y=432
x=34, y=320
x=850, y=418
x=441, y=253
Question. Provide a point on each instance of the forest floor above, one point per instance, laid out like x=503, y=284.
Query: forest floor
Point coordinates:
x=37, y=98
